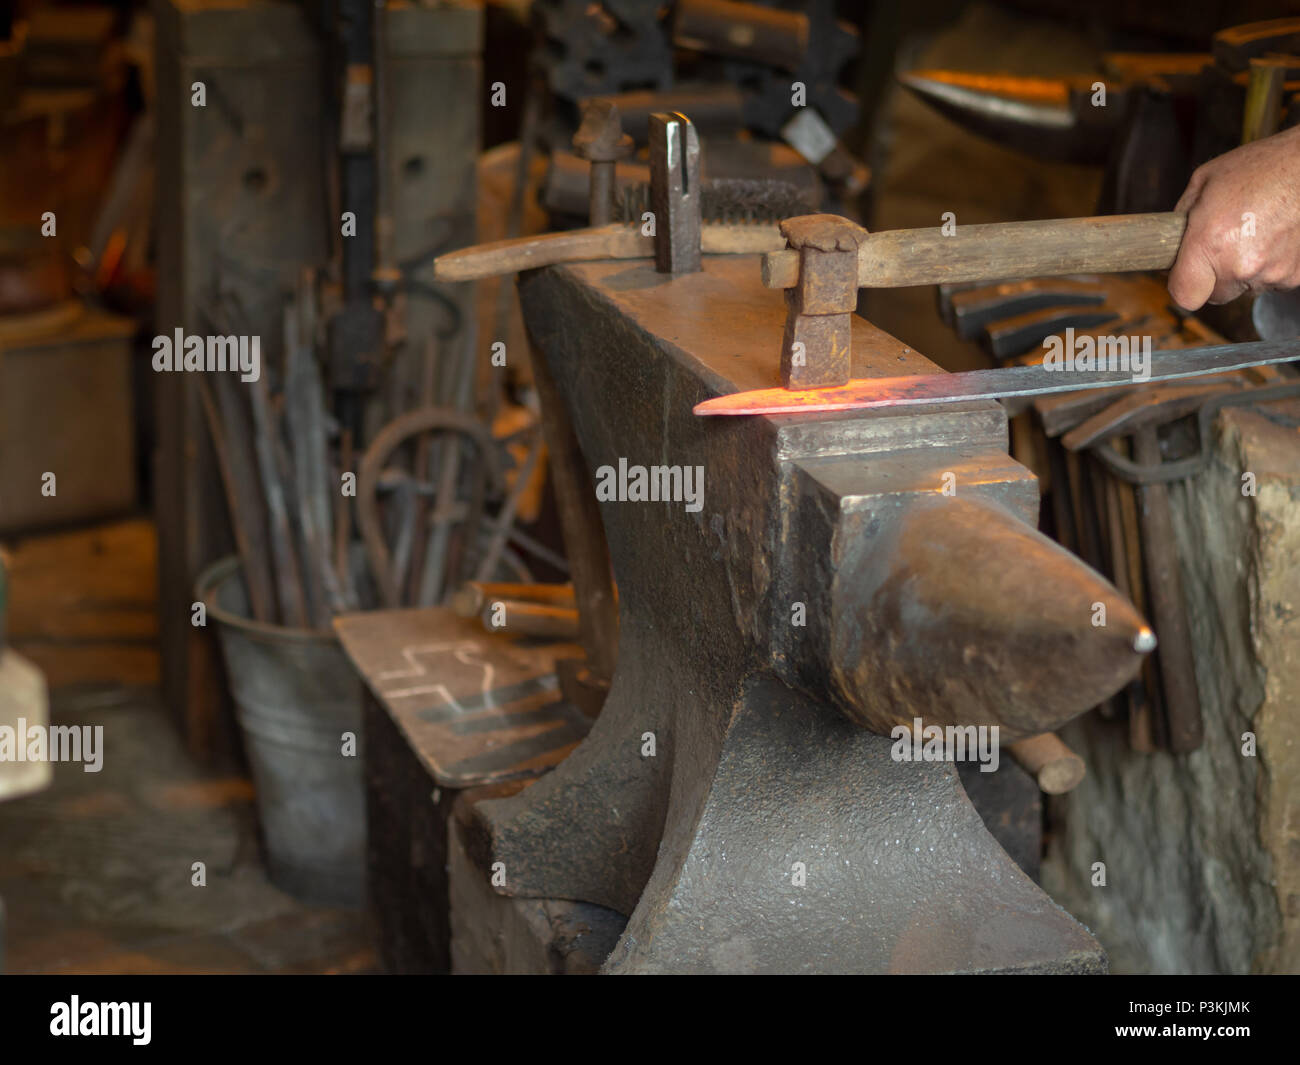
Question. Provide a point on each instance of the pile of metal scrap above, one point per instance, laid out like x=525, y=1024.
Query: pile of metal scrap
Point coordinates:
x=759, y=80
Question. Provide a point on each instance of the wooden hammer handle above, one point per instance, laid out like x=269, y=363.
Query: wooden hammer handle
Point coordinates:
x=618, y=240
x=900, y=257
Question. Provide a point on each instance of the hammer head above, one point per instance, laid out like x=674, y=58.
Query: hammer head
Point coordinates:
x=816, y=350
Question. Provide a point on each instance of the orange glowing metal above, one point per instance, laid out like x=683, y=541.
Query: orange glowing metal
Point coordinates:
x=1015, y=87
x=1005, y=383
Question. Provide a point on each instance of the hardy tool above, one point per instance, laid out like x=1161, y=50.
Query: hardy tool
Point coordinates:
x=830, y=258
x=687, y=217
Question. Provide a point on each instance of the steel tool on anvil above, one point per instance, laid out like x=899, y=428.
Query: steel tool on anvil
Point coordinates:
x=830, y=258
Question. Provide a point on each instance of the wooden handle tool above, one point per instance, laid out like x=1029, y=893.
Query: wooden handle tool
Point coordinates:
x=616, y=241
x=902, y=257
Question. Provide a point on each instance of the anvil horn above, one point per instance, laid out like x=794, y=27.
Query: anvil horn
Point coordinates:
x=958, y=612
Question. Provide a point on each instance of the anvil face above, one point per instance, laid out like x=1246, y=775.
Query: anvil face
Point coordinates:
x=842, y=575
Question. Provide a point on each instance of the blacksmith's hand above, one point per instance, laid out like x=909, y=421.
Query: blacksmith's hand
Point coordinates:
x=1243, y=223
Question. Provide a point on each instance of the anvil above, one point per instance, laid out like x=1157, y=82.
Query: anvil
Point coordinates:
x=846, y=573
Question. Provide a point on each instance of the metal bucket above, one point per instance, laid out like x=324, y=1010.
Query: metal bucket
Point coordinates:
x=296, y=694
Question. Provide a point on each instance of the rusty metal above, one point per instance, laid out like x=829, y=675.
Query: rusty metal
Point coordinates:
x=1016, y=332
x=815, y=350
x=729, y=201
x=602, y=48
x=742, y=30
x=1149, y=406
x=971, y=308
x=1140, y=472
x=729, y=753
x=831, y=43
x=735, y=175
x=675, y=193
x=601, y=141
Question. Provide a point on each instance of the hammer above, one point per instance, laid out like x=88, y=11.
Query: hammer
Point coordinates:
x=829, y=258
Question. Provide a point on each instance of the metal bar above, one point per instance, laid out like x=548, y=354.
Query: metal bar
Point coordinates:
x=293, y=610
x=675, y=193
x=1004, y=383
x=1168, y=607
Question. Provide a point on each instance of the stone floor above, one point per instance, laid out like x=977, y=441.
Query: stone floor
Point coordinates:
x=96, y=872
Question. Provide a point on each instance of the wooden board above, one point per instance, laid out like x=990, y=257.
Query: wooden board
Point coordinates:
x=83, y=604
x=76, y=377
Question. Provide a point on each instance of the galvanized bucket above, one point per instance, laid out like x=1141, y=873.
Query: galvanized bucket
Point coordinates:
x=296, y=696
